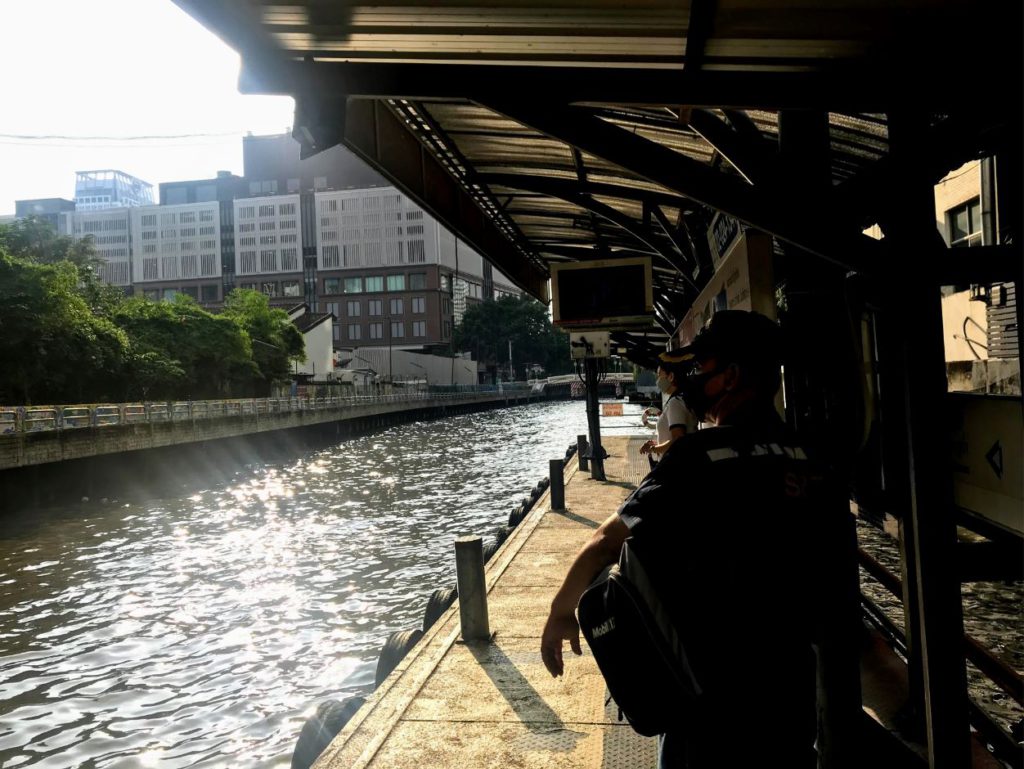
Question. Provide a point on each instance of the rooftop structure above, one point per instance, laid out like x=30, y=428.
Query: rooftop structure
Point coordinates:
x=109, y=188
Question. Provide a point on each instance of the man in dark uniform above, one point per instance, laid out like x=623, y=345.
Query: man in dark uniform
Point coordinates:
x=742, y=527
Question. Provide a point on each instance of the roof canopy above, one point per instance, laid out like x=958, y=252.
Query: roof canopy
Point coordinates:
x=584, y=129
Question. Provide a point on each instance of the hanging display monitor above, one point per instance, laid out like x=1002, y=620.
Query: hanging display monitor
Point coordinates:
x=609, y=294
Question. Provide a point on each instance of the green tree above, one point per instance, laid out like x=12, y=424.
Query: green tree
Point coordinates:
x=213, y=351
x=35, y=240
x=53, y=347
x=488, y=327
x=276, y=342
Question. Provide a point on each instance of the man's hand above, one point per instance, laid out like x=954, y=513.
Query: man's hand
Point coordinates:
x=647, y=448
x=557, y=629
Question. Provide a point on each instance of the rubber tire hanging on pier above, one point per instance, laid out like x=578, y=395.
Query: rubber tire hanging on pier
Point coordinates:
x=322, y=727
x=395, y=648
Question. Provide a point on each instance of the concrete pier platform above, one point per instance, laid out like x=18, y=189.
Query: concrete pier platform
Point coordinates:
x=482, y=705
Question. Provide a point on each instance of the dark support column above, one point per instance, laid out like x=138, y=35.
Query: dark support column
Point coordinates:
x=819, y=385
x=594, y=421
x=912, y=306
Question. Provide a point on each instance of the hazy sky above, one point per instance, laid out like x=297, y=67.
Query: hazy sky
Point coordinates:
x=118, y=68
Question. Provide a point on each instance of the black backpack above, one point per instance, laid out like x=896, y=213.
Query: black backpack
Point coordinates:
x=637, y=648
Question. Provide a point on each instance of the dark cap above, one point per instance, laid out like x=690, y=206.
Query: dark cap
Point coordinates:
x=735, y=336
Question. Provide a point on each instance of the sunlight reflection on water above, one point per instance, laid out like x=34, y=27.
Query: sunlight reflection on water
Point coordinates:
x=203, y=630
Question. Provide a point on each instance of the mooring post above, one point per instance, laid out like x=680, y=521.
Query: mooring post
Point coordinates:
x=469, y=571
x=581, y=451
x=555, y=467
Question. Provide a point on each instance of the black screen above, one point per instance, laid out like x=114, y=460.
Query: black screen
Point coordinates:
x=601, y=292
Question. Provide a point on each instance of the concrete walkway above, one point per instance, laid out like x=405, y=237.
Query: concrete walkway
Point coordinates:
x=474, y=706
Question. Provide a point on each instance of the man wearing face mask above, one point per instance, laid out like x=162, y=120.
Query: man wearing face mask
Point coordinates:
x=733, y=519
x=675, y=420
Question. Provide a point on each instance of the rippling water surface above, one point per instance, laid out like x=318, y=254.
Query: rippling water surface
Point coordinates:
x=202, y=630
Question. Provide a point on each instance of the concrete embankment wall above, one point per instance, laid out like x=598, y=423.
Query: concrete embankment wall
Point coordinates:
x=134, y=460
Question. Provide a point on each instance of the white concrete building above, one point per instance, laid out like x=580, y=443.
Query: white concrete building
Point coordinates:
x=268, y=245
x=111, y=232
x=174, y=243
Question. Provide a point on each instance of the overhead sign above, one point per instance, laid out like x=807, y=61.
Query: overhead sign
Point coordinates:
x=722, y=234
x=590, y=344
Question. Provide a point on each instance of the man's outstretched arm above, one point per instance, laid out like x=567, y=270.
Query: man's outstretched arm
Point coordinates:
x=602, y=550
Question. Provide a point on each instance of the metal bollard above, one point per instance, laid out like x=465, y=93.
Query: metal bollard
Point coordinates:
x=581, y=451
x=555, y=467
x=469, y=570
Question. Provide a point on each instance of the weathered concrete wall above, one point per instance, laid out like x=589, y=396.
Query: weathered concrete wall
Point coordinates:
x=27, y=449
x=129, y=462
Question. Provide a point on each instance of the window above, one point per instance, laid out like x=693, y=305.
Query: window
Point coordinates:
x=267, y=210
x=254, y=188
x=446, y=284
x=331, y=256
x=293, y=185
x=149, y=220
x=187, y=217
x=152, y=294
x=375, y=284
x=268, y=261
x=206, y=193
x=320, y=183
x=355, y=331
x=332, y=308
x=353, y=309
x=192, y=291
x=249, y=286
x=396, y=283
x=417, y=281
x=353, y=285
x=209, y=293
x=247, y=212
x=397, y=307
x=332, y=285
x=169, y=294
x=419, y=305
x=336, y=332
x=289, y=260
x=963, y=224
x=397, y=330
x=269, y=186
x=376, y=331
x=447, y=329
x=150, y=268
x=414, y=229
x=413, y=215
x=419, y=328
x=269, y=287
x=375, y=307
x=290, y=288
x=286, y=209
x=176, y=196
x=417, y=252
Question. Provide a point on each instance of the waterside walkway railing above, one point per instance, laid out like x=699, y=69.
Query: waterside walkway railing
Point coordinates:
x=32, y=419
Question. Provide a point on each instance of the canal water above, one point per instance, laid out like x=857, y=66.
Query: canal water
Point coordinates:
x=202, y=630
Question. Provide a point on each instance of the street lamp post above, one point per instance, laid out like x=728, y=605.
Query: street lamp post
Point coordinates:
x=391, y=374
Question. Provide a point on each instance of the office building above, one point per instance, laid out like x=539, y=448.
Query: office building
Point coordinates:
x=47, y=209
x=108, y=188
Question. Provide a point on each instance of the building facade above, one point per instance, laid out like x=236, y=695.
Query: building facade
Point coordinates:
x=47, y=209
x=111, y=230
x=109, y=188
x=268, y=246
x=176, y=249
x=273, y=166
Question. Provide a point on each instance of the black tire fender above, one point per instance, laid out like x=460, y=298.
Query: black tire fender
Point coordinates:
x=438, y=603
x=322, y=727
x=395, y=648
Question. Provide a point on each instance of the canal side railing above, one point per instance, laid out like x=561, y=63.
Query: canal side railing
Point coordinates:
x=34, y=419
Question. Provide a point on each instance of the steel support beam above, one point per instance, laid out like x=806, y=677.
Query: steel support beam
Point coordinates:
x=372, y=131
x=914, y=308
x=750, y=159
x=805, y=228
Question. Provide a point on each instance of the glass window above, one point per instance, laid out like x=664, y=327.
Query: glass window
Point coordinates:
x=332, y=308
x=396, y=282
x=419, y=305
x=353, y=309
x=320, y=183
x=332, y=285
x=336, y=330
x=152, y=294
x=446, y=284
x=210, y=294
x=355, y=331
x=964, y=224
x=269, y=287
x=419, y=328
x=376, y=331
x=293, y=185
x=353, y=285
x=169, y=294
x=254, y=188
x=417, y=281
x=290, y=288
x=192, y=291
x=397, y=307
x=397, y=330
x=206, y=192
x=374, y=284
x=375, y=307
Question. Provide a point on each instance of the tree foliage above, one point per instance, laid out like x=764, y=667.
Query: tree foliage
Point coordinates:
x=276, y=342
x=66, y=337
x=488, y=327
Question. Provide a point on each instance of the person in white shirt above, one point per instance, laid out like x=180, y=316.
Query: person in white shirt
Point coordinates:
x=676, y=420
